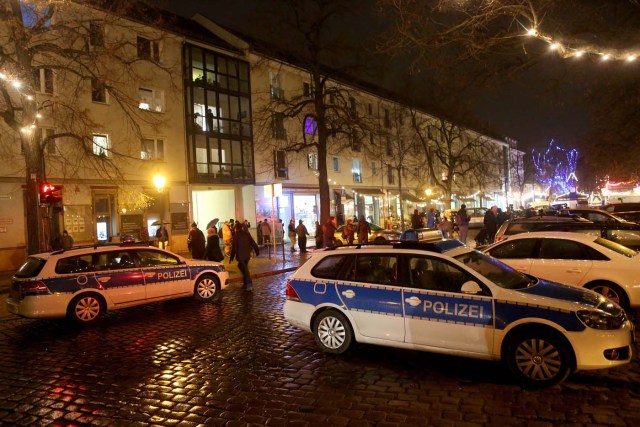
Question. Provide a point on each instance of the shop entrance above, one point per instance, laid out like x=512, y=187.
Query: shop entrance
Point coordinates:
x=210, y=204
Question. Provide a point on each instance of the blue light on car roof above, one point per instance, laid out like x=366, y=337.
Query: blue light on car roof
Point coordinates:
x=447, y=245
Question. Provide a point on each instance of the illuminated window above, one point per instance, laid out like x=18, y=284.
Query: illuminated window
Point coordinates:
x=101, y=145
x=151, y=100
x=312, y=161
x=355, y=170
x=310, y=126
x=152, y=149
x=336, y=164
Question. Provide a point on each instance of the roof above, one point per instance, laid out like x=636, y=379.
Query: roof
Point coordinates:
x=553, y=234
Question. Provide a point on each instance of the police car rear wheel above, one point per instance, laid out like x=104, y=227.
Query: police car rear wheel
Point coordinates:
x=538, y=360
x=333, y=332
x=86, y=308
x=207, y=289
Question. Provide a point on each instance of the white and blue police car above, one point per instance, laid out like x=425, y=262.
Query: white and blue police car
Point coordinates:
x=84, y=282
x=445, y=297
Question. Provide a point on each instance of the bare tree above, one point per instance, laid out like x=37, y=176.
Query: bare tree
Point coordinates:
x=522, y=173
x=454, y=155
x=323, y=113
x=91, y=53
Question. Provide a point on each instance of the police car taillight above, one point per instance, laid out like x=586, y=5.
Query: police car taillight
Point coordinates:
x=33, y=288
x=291, y=293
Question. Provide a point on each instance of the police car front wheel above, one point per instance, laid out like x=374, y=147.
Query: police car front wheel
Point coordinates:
x=332, y=332
x=207, y=289
x=538, y=359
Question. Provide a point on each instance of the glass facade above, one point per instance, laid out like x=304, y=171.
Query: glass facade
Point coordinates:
x=218, y=103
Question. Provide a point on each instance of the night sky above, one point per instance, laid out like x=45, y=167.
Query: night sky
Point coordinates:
x=541, y=104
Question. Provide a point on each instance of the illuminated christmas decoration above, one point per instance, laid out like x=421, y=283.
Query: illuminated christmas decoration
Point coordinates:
x=568, y=51
x=556, y=168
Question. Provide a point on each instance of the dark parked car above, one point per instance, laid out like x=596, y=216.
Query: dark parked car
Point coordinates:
x=626, y=234
x=622, y=207
x=631, y=216
x=595, y=215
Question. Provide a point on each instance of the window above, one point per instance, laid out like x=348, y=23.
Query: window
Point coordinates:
x=355, y=140
x=96, y=34
x=374, y=168
x=76, y=264
x=390, y=176
x=279, y=132
x=515, y=249
x=151, y=100
x=387, y=118
x=336, y=164
x=312, y=161
x=156, y=258
x=355, y=170
x=152, y=149
x=98, y=91
x=307, y=90
x=436, y=275
x=280, y=164
x=148, y=49
x=561, y=249
x=329, y=267
x=379, y=269
x=310, y=126
x=275, y=86
x=101, y=145
x=388, y=147
x=51, y=147
x=43, y=79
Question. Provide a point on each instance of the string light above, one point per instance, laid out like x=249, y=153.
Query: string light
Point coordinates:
x=567, y=51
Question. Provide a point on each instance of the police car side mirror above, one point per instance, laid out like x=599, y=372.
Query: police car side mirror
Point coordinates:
x=471, y=287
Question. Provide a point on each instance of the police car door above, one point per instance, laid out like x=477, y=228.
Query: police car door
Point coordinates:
x=437, y=314
x=164, y=274
x=119, y=276
x=560, y=260
x=370, y=293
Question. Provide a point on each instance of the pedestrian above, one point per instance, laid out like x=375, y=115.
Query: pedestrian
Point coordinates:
x=162, y=236
x=266, y=231
x=501, y=216
x=143, y=235
x=491, y=223
x=241, y=247
x=212, y=251
x=328, y=232
x=348, y=232
x=247, y=225
x=227, y=236
x=318, y=235
x=445, y=227
x=301, y=231
x=196, y=242
x=213, y=224
x=431, y=218
x=291, y=230
x=67, y=240
x=259, y=233
x=278, y=231
x=462, y=221
x=416, y=219
x=363, y=231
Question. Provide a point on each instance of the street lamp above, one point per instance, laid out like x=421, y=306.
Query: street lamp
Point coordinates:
x=428, y=192
x=159, y=181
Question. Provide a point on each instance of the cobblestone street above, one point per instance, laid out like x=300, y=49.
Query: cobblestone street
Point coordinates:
x=236, y=363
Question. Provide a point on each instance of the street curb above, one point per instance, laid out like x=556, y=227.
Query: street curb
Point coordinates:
x=264, y=274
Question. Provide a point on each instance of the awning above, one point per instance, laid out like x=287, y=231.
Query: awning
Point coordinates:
x=411, y=198
x=369, y=191
x=344, y=195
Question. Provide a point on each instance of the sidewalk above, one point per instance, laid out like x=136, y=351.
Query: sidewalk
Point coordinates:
x=260, y=266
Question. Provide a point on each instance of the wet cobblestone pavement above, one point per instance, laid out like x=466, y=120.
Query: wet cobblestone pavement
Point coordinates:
x=240, y=363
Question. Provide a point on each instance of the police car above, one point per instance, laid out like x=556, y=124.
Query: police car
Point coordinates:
x=445, y=297
x=84, y=282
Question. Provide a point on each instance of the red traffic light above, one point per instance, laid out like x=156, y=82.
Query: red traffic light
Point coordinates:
x=50, y=193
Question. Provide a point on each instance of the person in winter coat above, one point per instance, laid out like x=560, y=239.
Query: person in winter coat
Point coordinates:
x=363, y=231
x=462, y=222
x=491, y=223
x=348, y=232
x=241, y=247
x=291, y=231
x=196, y=242
x=328, y=232
x=213, y=251
x=67, y=240
x=266, y=231
x=318, y=235
x=301, y=231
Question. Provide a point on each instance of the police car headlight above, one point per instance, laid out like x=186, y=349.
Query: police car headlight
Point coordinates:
x=600, y=320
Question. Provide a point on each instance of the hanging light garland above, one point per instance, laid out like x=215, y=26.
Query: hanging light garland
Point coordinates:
x=567, y=51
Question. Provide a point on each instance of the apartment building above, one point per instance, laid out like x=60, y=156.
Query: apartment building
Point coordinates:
x=197, y=106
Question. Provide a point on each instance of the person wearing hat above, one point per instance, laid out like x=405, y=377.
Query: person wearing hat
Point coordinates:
x=302, y=232
x=196, y=242
x=213, y=251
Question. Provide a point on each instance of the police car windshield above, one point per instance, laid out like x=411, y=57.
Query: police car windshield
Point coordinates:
x=494, y=270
